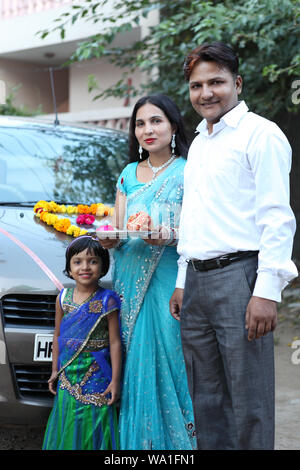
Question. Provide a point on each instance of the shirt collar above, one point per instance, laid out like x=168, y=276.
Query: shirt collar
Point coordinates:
x=232, y=118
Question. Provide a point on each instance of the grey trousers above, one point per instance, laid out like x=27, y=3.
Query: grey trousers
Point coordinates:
x=231, y=379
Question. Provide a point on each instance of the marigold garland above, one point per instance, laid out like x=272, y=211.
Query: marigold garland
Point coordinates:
x=46, y=211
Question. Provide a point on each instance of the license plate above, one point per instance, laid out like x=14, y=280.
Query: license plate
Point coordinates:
x=43, y=348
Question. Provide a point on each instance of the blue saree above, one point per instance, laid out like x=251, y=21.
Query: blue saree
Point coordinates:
x=80, y=418
x=156, y=409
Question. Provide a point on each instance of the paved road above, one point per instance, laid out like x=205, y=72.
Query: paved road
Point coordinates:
x=287, y=389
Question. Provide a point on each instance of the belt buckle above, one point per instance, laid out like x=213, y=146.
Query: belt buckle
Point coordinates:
x=223, y=261
x=192, y=261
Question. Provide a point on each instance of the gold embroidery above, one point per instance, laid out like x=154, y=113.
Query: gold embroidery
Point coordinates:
x=69, y=305
x=96, y=344
x=95, y=306
x=75, y=390
x=93, y=368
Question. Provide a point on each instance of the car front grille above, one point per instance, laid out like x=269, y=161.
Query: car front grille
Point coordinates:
x=28, y=310
x=32, y=381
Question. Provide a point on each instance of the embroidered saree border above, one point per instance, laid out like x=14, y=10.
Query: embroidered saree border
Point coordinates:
x=84, y=343
x=160, y=184
x=97, y=399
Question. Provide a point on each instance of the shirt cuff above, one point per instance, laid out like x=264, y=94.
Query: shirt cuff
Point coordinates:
x=180, y=281
x=269, y=287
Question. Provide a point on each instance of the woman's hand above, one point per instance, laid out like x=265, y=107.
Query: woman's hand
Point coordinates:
x=160, y=236
x=52, y=382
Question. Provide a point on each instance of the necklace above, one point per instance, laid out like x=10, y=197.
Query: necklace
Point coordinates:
x=156, y=169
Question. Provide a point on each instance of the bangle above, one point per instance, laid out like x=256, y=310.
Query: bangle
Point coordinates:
x=120, y=243
x=173, y=238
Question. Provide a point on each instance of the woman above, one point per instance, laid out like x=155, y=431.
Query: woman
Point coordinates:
x=156, y=411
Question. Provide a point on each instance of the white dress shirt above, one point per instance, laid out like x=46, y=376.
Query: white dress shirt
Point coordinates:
x=236, y=198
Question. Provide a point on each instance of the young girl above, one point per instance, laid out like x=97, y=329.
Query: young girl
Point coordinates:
x=86, y=355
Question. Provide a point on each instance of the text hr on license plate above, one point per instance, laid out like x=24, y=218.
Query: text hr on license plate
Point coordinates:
x=43, y=347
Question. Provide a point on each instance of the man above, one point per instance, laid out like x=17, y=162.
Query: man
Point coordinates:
x=235, y=242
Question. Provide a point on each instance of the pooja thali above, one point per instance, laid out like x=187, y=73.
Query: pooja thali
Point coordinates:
x=123, y=234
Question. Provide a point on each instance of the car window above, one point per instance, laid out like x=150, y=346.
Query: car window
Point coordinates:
x=60, y=164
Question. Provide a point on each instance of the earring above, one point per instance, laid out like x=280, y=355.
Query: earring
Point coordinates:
x=173, y=145
x=141, y=152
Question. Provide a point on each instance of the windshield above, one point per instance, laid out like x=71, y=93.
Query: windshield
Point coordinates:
x=60, y=164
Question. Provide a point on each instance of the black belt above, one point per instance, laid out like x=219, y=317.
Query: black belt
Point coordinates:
x=220, y=261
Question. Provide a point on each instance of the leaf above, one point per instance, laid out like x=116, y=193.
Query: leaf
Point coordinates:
x=265, y=34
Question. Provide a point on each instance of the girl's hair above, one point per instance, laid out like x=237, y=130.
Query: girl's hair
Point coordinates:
x=172, y=112
x=215, y=52
x=93, y=246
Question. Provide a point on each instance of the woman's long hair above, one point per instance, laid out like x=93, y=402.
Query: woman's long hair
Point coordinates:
x=173, y=114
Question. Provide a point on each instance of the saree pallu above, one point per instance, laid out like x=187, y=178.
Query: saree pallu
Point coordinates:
x=156, y=409
x=80, y=418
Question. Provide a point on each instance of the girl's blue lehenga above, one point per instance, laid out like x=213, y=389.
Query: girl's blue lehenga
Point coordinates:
x=80, y=418
x=156, y=409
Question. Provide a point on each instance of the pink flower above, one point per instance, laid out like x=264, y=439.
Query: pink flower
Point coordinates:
x=104, y=228
x=80, y=219
x=85, y=219
x=89, y=219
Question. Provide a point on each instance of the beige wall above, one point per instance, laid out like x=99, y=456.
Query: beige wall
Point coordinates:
x=71, y=85
x=22, y=30
x=24, y=59
x=36, y=86
x=106, y=74
x=18, y=34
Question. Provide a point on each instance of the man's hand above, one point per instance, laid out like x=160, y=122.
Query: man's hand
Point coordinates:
x=261, y=317
x=176, y=303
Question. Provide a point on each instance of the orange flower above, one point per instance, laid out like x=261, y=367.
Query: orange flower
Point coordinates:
x=62, y=225
x=66, y=224
x=93, y=209
x=82, y=209
x=43, y=216
x=46, y=211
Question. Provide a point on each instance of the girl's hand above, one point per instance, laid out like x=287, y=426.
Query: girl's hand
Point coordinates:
x=52, y=382
x=114, y=390
x=109, y=242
